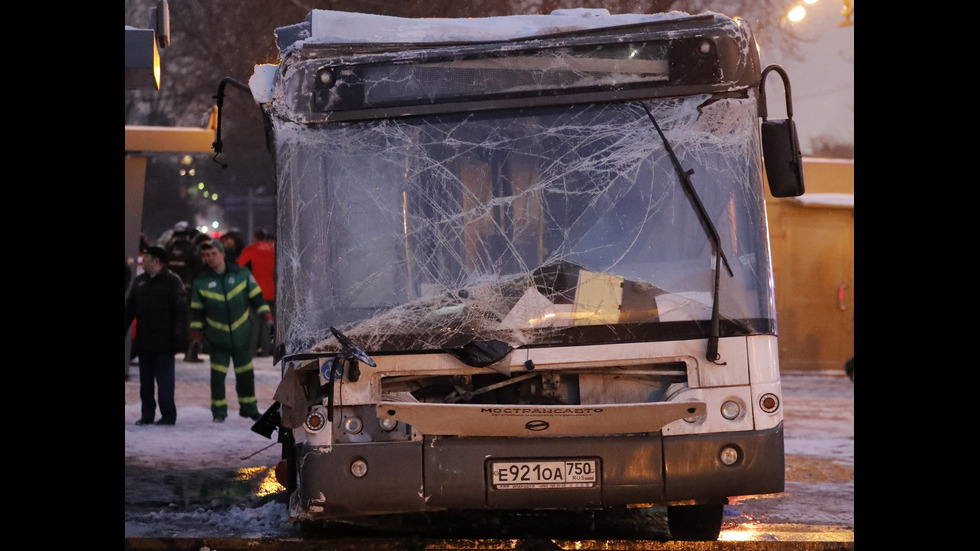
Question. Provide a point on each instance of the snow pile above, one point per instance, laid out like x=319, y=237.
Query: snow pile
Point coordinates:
x=343, y=27
x=826, y=199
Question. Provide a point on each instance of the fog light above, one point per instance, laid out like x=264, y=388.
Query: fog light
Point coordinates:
x=730, y=410
x=315, y=421
x=358, y=468
x=728, y=455
x=388, y=424
x=353, y=425
x=769, y=402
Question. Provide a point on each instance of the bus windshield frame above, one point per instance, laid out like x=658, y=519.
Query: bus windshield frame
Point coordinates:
x=545, y=216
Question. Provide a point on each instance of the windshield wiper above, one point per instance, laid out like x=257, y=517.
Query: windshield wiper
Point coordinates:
x=709, y=230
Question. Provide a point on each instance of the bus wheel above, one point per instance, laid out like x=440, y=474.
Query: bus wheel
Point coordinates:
x=695, y=522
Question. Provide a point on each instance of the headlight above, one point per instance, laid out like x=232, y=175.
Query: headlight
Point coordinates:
x=730, y=410
x=387, y=424
x=353, y=425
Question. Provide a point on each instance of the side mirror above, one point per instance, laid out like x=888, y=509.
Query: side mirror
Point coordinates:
x=780, y=144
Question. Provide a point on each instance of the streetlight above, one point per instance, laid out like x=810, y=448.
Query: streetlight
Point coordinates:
x=797, y=14
x=847, y=12
x=142, y=59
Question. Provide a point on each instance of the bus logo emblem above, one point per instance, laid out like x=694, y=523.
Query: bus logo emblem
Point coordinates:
x=537, y=425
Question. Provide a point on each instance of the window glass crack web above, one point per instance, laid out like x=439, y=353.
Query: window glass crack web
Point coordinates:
x=426, y=233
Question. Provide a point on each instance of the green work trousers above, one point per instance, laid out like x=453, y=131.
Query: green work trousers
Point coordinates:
x=221, y=360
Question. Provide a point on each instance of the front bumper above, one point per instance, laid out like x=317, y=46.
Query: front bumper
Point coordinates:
x=454, y=473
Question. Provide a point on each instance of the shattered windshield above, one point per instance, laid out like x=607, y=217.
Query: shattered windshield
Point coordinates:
x=555, y=225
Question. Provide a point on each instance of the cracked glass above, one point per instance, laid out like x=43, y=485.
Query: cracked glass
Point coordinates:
x=536, y=226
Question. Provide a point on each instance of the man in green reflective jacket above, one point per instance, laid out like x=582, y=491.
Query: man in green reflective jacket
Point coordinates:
x=220, y=300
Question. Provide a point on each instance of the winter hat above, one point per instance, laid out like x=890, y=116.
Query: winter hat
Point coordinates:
x=157, y=252
x=216, y=243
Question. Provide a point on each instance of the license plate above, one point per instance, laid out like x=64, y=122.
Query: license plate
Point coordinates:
x=550, y=473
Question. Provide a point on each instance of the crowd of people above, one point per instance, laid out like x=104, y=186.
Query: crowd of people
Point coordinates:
x=201, y=294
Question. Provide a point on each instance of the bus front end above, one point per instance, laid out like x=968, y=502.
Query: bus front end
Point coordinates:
x=525, y=273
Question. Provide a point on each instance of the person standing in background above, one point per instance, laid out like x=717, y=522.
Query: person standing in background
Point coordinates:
x=158, y=303
x=184, y=257
x=185, y=261
x=260, y=258
x=233, y=242
x=221, y=300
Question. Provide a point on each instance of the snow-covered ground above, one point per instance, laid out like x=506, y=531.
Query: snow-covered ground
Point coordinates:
x=196, y=441
x=819, y=413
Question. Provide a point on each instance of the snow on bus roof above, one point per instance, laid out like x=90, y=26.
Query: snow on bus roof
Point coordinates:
x=337, y=27
x=356, y=27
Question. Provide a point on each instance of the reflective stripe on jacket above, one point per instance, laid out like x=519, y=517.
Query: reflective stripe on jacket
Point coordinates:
x=220, y=306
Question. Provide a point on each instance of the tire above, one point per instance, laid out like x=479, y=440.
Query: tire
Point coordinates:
x=695, y=522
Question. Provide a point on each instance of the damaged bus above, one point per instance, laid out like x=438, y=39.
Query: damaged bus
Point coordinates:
x=523, y=265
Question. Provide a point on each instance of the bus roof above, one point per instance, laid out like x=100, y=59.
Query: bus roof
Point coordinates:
x=336, y=27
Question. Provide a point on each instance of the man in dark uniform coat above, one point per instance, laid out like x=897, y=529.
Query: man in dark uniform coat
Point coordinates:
x=158, y=302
